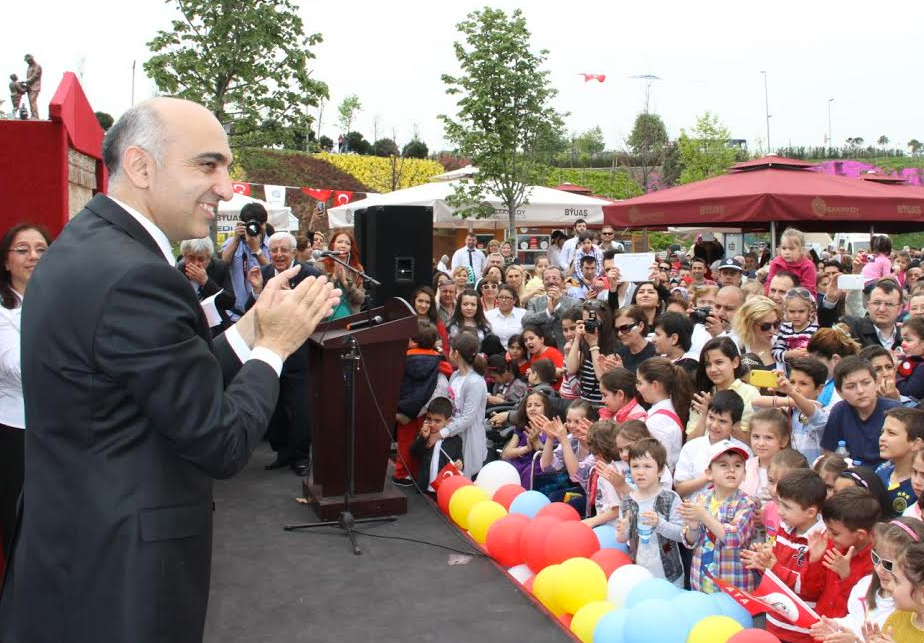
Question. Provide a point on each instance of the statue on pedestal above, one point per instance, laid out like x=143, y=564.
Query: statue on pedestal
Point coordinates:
x=33, y=83
x=17, y=91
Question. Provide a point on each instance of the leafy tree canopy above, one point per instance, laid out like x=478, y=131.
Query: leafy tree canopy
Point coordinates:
x=416, y=149
x=704, y=152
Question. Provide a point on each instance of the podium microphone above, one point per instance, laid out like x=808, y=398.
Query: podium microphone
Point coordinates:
x=362, y=323
x=320, y=254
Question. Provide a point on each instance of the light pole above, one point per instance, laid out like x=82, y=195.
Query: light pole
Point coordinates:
x=767, y=111
x=830, y=140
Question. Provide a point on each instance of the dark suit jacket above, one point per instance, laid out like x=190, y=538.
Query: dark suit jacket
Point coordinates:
x=864, y=331
x=219, y=280
x=133, y=410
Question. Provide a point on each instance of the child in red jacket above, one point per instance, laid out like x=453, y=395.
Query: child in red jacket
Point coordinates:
x=793, y=258
x=838, y=562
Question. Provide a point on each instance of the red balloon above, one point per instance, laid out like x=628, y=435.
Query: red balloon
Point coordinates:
x=565, y=620
x=560, y=510
x=449, y=486
x=505, y=495
x=532, y=542
x=569, y=539
x=753, y=636
x=610, y=560
x=503, y=540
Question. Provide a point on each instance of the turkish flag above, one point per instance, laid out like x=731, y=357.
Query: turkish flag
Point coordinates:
x=589, y=77
x=774, y=597
x=320, y=195
x=342, y=197
x=444, y=474
x=241, y=188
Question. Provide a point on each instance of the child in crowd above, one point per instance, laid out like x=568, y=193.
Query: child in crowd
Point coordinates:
x=837, y=562
x=565, y=448
x=902, y=437
x=794, y=334
x=540, y=377
x=880, y=249
x=900, y=267
x=720, y=522
x=469, y=395
x=871, y=599
x=830, y=466
x=917, y=484
x=666, y=388
x=619, y=396
x=910, y=380
x=769, y=435
x=866, y=479
x=426, y=376
x=516, y=354
x=724, y=414
x=883, y=362
x=800, y=495
x=620, y=476
x=651, y=521
x=431, y=450
x=719, y=370
x=801, y=389
x=781, y=464
x=857, y=419
x=508, y=387
x=906, y=623
x=570, y=385
x=793, y=258
x=525, y=443
x=602, y=499
x=830, y=346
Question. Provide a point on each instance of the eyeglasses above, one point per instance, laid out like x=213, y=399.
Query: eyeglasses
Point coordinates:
x=490, y=285
x=879, y=560
x=504, y=298
x=23, y=251
x=607, y=234
x=626, y=328
x=664, y=267
x=800, y=293
x=883, y=304
x=768, y=325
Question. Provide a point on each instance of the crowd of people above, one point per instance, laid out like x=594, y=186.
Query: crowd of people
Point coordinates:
x=729, y=416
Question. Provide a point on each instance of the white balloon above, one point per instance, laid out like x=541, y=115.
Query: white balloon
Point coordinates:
x=495, y=475
x=623, y=580
x=521, y=572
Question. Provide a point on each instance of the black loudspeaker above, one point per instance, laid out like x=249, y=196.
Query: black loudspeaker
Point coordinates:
x=396, y=248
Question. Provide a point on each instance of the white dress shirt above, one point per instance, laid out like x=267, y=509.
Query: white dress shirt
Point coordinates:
x=505, y=325
x=566, y=258
x=12, y=411
x=474, y=258
x=237, y=343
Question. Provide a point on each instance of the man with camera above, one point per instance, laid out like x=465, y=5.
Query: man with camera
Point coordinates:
x=716, y=320
x=252, y=253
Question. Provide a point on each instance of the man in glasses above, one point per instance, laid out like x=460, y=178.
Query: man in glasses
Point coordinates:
x=882, y=311
x=608, y=240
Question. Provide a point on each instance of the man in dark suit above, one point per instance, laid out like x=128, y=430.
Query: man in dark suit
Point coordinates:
x=289, y=431
x=546, y=311
x=133, y=409
x=208, y=276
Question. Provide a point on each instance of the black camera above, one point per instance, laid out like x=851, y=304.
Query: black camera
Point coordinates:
x=591, y=324
x=253, y=228
x=699, y=315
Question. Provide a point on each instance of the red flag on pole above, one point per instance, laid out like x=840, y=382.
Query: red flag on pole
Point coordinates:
x=241, y=188
x=774, y=597
x=342, y=197
x=320, y=195
x=444, y=474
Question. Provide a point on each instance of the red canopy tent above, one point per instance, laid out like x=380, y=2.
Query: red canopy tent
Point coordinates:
x=772, y=190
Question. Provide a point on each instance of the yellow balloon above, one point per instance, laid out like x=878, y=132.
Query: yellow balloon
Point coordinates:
x=462, y=502
x=482, y=516
x=714, y=629
x=581, y=581
x=585, y=619
x=544, y=588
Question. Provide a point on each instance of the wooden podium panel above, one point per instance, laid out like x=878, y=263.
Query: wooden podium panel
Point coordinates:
x=377, y=382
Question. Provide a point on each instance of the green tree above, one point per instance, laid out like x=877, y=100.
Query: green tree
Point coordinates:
x=416, y=149
x=105, y=120
x=648, y=145
x=326, y=143
x=915, y=146
x=883, y=141
x=704, y=152
x=246, y=61
x=357, y=144
x=504, y=122
x=347, y=111
x=589, y=143
x=385, y=147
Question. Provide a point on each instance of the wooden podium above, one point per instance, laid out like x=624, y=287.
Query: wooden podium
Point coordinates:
x=383, y=349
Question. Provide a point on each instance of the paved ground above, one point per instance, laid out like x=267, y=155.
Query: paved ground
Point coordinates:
x=287, y=587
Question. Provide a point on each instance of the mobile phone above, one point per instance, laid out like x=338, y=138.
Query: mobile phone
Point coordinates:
x=764, y=379
x=850, y=282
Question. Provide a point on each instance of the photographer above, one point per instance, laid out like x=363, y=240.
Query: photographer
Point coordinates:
x=716, y=321
x=253, y=252
x=594, y=337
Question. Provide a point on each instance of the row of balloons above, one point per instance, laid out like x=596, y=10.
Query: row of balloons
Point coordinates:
x=583, y=576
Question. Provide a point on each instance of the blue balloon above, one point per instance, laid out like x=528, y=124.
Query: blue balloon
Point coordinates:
x=692, y=607
x=651, y=621
x=651, y=588
x=610, y=628
x=528, y=503
x=606, y=534
x=730, y=607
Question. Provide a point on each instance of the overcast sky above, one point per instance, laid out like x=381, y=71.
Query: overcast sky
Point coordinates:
x=709, y=54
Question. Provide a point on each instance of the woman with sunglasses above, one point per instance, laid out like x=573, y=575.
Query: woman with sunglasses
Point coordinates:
x=632, y=328
x=487, y=290
x=800, y=325
x=756, y=323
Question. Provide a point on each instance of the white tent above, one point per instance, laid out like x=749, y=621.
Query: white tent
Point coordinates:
x=229, y=211
x=545, y=207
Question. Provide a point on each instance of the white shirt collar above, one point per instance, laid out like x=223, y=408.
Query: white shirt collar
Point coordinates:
x=156, y=233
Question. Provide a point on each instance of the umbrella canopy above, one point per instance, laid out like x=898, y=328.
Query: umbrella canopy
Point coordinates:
x=546, y=207
x=775, y=191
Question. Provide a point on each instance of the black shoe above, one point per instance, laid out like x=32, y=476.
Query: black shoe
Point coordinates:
x=402, y=482
x=278, y=463
x=301, y=468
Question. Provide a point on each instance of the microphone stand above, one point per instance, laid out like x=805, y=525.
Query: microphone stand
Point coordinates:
x=362, y=274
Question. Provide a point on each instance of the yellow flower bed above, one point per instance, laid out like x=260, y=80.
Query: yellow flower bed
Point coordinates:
x=384, y=174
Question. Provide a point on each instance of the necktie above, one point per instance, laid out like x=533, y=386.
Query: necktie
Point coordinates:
x=470, y=254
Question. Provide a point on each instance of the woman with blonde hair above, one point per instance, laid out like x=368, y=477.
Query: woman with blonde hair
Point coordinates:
x=515, y=277
x=756, y=323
